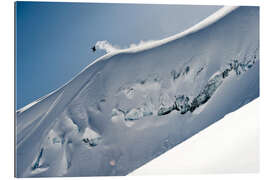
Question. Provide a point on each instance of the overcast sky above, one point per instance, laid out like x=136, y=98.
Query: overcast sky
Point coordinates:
x=54, y=39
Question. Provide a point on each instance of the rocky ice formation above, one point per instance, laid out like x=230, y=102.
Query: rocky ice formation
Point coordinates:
x=183, y=103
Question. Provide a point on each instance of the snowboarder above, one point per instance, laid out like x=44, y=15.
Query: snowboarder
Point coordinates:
x=93, y=48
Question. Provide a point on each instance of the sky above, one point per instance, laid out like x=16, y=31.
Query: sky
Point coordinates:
x=53, y=40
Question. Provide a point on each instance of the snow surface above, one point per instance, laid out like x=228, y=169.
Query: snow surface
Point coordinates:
x=132, y=105
x=236, y=150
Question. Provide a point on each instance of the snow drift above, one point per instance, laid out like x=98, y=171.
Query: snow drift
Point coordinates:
x=132, y=105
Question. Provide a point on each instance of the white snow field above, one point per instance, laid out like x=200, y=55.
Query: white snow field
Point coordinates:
x=235, y=150
x=132, y=105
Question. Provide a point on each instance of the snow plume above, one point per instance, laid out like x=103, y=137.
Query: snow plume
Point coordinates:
x=141, y=43
x=105, y=45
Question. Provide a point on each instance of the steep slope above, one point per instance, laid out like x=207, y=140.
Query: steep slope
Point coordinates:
x=235, y=139
x=129, y=106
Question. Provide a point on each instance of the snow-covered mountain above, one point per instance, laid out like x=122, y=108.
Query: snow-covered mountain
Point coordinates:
x=132, y=105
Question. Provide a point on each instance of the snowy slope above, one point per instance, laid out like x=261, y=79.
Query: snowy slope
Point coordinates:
x=131, y=105
x=236, y=150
